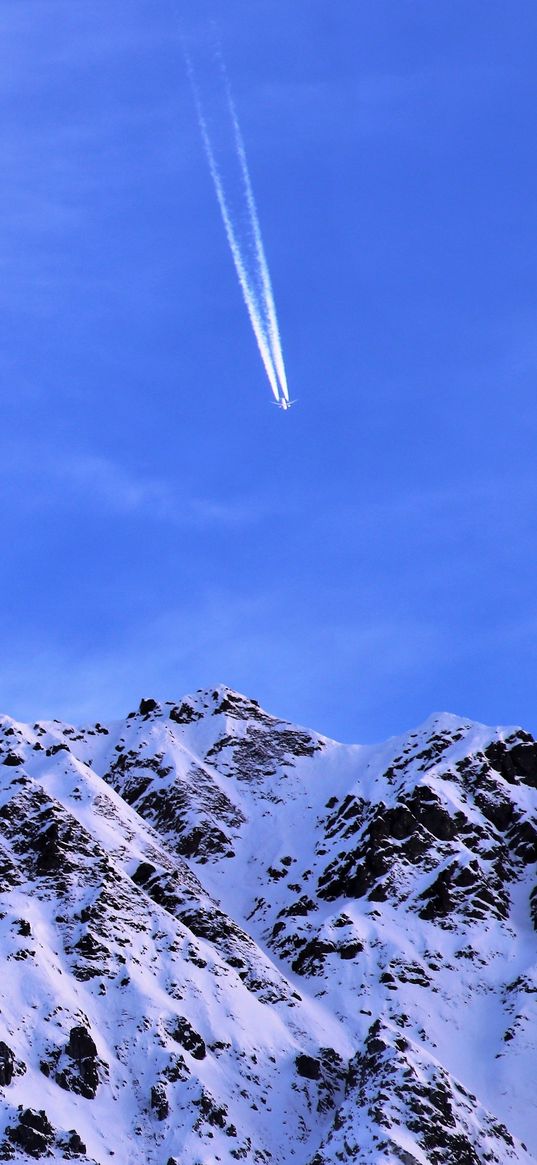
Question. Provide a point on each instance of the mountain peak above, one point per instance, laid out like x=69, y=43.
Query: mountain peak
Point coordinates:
x=229, y=938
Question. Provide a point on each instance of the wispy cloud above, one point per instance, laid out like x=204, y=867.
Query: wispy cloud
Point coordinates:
x=59, y=33
x=361, y=104
x=373, y=666
x=66, y=141
x=43, y=481
x=222, y=637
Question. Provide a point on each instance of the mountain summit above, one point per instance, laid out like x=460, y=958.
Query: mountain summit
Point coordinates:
x=226, y=938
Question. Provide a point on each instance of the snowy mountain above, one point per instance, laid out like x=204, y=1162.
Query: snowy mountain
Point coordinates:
x=226, y=938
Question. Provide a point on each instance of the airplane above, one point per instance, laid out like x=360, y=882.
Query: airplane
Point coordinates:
x=283, y=403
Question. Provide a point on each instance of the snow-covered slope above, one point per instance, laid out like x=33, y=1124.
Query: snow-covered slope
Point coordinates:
x=225, y=938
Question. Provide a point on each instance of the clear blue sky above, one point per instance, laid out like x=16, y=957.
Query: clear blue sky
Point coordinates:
x=371, y=556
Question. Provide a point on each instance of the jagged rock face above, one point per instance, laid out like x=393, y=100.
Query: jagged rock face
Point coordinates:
x=226, y=938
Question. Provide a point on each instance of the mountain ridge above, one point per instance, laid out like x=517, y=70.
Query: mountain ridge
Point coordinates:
x=229, y=938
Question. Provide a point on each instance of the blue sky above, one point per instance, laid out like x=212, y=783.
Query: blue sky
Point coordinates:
x=369, y=557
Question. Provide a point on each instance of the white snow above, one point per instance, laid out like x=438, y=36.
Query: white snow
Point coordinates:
x=205, y=901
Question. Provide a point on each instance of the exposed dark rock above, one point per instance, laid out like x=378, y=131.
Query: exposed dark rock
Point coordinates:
x=258, y=753
x=176, y=1069
x=56, y=748
x=522, y=836
x=185, y=714
x=332, y=1079
x=308, y=1066
x=203, y=840
x=81, y=1075
x=7, y=1061
x=34, y=1132
x=95, y=957
x=311, y=956
x=427, y=809
x=147, y=706
x=12, y=760
x=467, y=890
x=143, y=873
x=533, y=907
x=136, y=787
x=49, y=849
x=345, y=877
x=350, y=950
x=241, y=707
x=299, y=909
x=75, y=1142
x=159, y=1102
x=81, y=1046
x=211, y=1112
x=169, y=808
x=189, y=1039
x=72, y=1144
x=515, y=759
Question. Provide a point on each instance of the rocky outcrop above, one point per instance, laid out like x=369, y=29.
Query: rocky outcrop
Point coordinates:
x=33, y=1133
x=78, y=1070
x=7, y=1064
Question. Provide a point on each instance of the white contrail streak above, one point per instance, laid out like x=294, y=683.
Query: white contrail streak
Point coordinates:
x=256, y=316
x=248, y=254
x=267, y=302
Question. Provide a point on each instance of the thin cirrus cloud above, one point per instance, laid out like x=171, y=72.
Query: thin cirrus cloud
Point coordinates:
x=79, y=95
x=213, y=640
x=327, y=675
x=61, y=33
x=102, y=485
x=362, y=104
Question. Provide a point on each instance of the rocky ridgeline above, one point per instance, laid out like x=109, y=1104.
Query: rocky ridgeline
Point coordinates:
x=225, y=938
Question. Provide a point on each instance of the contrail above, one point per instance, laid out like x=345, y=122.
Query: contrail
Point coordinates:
x=234, y=245
x=255, y=284
x=267, y=303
